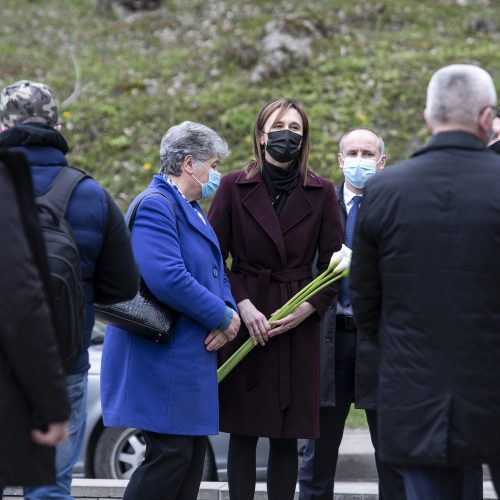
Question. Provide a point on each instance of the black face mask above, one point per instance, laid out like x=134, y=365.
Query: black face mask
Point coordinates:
x=283, y=145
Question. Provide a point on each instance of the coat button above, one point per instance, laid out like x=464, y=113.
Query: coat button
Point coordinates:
x=328, y=338
x=215, y=272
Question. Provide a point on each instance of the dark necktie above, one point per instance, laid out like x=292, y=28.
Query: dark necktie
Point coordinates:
x=350, y=225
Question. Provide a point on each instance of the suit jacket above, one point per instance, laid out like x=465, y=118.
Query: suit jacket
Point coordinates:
x=275, y=389
x=32, y=390
x=367, y=355
x=169, y=388
x=425, y=283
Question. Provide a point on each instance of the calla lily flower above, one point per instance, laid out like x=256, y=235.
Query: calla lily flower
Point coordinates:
x=338, y=268
x=344, y=252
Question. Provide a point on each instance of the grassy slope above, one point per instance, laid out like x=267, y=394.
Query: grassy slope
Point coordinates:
x=192, y=60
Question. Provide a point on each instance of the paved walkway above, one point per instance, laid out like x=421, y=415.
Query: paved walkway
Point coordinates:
x=355, y=462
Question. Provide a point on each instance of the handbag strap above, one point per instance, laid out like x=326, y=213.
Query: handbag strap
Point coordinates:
x=133, y=213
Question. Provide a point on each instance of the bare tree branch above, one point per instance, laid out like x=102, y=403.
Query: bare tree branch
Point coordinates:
x=78, y=77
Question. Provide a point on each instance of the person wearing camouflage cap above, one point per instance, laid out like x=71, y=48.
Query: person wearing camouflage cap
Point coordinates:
x=29, y=123
x=25, y=101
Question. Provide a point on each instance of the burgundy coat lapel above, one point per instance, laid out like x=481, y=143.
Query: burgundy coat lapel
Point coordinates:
x=298, y=206
x=259, y=207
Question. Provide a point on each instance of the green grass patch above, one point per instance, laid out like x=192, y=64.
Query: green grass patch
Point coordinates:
x=356, y=418
x=369, y=65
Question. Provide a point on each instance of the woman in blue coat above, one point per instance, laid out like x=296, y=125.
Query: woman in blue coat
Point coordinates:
x=169, y=391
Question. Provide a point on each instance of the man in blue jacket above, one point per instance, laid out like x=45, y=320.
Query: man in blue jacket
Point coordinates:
x=29, y=124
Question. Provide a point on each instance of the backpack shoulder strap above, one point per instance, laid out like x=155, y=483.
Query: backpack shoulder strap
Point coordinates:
x=133, y=213
x=57, y=196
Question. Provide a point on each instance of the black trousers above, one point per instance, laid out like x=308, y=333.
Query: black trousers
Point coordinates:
x=443, y=483
x=172, y=468
x=317, y=471
x=281, y=469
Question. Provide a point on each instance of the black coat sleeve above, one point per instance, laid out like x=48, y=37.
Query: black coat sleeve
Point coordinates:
x=116, y=277
x=29, y=359
x=365, y=279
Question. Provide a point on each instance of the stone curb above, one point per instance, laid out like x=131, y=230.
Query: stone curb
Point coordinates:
x=112, y=489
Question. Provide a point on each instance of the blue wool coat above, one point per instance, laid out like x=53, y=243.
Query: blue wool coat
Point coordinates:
x=169, y=388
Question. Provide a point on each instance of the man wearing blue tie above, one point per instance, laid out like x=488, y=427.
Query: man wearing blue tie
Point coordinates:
x=348, y=367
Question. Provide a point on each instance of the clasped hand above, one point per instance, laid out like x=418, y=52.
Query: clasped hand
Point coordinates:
x=218, y=338
x=261, y=330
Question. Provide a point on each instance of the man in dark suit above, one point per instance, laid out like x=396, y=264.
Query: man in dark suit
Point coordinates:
x=425, y=282
x=348, y=369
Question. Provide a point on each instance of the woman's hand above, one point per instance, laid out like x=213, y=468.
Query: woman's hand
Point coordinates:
x=231, y=331
x=215, y=340
x=292, y=320
x=255, y=321
x=218, y=338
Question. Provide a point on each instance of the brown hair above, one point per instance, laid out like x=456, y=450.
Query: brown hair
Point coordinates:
x=283, y=104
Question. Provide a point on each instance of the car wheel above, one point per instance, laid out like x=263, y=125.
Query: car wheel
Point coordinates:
x=119, y=451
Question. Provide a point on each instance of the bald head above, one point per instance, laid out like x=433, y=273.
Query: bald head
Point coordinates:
x=362, y=135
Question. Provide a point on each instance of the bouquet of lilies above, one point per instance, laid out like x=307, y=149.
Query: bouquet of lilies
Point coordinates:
x=338, y=268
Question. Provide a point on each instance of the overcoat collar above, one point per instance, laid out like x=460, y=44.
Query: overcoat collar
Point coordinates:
x=183, y=206
x=454, y=139
x=339, y=191
x=256, y=201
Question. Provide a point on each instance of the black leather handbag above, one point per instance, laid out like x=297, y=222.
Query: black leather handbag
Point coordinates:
x=144, y=315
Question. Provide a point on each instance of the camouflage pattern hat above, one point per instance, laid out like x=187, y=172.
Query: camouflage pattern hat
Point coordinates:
x=26, y=99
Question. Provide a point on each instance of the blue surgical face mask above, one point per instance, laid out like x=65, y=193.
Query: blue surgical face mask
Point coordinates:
x=208, y=188
x=358, y=170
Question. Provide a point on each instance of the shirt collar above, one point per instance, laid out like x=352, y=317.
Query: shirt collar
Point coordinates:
x=349, y=195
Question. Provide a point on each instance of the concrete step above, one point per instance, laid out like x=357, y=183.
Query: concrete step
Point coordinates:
x=356, y=457
x=357, y=460
x=112, y=489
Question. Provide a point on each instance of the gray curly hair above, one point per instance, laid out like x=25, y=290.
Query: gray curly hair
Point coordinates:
x=189, y=138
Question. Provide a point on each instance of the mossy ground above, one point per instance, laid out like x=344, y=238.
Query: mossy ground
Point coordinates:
x=193, y=59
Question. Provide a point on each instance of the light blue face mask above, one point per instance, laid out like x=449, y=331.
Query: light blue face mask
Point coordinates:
x=208, y=188
x=358, y=170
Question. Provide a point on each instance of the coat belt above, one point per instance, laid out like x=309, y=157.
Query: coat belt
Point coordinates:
x=264, y=277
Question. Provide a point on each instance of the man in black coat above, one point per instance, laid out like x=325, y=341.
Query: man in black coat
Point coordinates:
x=348, y=363
x=33, y=403
x=425, y=284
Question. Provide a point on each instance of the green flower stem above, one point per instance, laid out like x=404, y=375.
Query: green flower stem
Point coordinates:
x=297, y=299
x=228, y=366
x=322, y=281
x=325, y=284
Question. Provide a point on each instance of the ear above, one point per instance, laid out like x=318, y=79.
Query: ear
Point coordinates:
x=341, y=160
x=188, y=164
x=381, y=162
x=262, y=140
x=428, y=123
x=485, y=120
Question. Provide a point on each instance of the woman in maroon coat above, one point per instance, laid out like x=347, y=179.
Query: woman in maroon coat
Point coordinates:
x=273, y=217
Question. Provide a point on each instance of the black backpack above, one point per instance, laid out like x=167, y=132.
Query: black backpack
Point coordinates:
x=64, y=265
